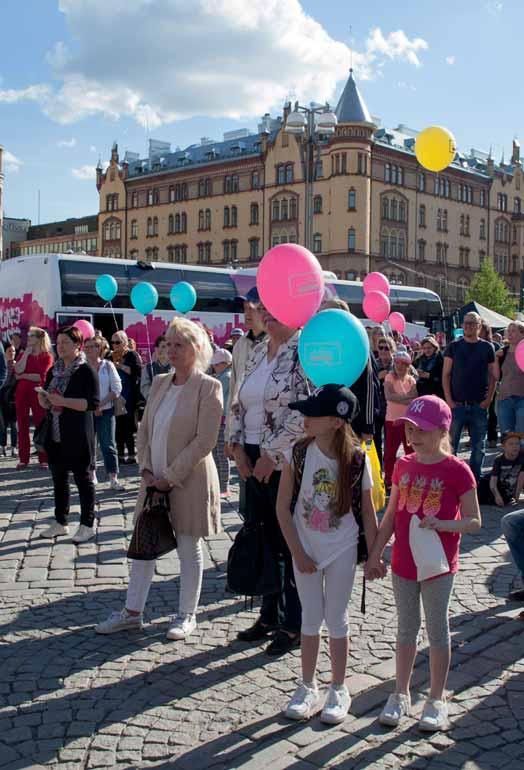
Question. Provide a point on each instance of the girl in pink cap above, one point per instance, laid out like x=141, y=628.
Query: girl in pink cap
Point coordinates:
x=433, y=501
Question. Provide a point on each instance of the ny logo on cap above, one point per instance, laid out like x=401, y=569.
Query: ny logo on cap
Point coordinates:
x=417, y=406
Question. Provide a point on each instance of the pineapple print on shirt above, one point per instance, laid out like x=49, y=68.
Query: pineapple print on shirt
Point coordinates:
x=411, y=494
x=433, y=498
x=415, y=494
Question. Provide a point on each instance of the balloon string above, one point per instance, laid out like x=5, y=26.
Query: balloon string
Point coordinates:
x=148, y=343
x=114, y=316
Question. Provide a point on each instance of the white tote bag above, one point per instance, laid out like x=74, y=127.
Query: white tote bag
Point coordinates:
x=427, y=551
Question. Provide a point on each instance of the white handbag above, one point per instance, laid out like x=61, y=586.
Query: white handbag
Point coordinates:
x=427, y=551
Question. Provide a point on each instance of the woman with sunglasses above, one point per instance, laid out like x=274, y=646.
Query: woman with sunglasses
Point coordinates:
x=110, y=386
x=386, y=348
x=374, y=335
x=30, y=371
x=129, y=367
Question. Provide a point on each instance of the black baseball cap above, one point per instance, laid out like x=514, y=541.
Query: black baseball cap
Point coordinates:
x=251, y=296
x=329, y=401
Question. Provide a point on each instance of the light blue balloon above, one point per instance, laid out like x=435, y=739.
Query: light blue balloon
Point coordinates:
x=183, y=297
x=333, y=348
x=106, y=287
x=458, y=333
x=144, y=297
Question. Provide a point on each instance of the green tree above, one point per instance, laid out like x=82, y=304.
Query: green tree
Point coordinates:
x=490, y=290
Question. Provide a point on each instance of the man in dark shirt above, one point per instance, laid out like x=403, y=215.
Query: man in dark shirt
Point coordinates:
x=469, y=378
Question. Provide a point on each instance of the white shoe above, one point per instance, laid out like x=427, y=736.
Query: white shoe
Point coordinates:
x=303, y=703
x=55, y=530
x=83, y=534
x=116, y=486
x=120, y=621
x=181, y=627
x=397, y=706
x=434, y=716
x=94, y=478
x=336, y=706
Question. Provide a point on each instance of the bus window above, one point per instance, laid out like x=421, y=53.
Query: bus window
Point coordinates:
x=216, y=292
x=162, y=278
x=352, y=295
x=78, y=281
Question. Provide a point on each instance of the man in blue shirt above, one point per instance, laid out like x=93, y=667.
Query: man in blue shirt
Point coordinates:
x=469, y=378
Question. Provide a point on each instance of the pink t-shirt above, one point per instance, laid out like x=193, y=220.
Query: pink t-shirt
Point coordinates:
x=428, y=490
x=402, y=388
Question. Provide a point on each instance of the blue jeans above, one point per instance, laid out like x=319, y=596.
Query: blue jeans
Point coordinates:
x=513, y=530
x=105, y=430
x=476, y=419
x=510, y=412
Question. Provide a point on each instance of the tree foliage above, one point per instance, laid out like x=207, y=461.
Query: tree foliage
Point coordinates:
x=490, y=290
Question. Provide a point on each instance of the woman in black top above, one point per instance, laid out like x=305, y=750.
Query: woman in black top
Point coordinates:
x=129, y=367
x=71, y=396
x=429, y=369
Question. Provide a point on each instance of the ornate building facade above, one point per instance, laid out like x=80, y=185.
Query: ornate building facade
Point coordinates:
x=374, y=206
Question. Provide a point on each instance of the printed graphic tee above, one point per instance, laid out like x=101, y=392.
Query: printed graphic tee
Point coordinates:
x=507, y=473
x=428, y=490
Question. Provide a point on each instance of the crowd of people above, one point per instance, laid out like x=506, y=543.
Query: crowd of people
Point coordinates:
x=306, y=480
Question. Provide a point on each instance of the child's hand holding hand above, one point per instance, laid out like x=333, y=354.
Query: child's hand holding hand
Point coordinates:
x=429, y=522
x=375, y=568
x=305, y=563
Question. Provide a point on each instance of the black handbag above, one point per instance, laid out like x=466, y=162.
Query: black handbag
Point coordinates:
x=42, y=433
x=153, y=534
x=251, y=566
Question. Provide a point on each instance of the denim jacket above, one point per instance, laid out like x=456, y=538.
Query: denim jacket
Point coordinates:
x=286, y=383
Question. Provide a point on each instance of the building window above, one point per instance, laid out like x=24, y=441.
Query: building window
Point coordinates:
x=155, y=225
x=343, y=168
x=150, y=197
x=401, y=211
x=514, y=232
x=317, y=204
x=254, y=244
x=177, y=223
x=149, y=227
x=234, y=217
x=352, y=200
x=517, y=205
x=422, y=216
x=112, y=202
x=201, y=219
x=421, y=250
x=462, y=224
x=444, y=220
x=317, y=243
x=255, y=180
x=502, y=202
x=319, y=169
x=171, y=223
x=231, y=183
x=134, y=200
x=482, y=198
x=384, y=245
x=253, y=220
x=351, y=239
x=201, y=188
x=275, y=211
x=280, y=174
x=208, y=219
x=362, y=164
x=293, y=209
x=227, y=217
x=183, y=222
x=394, y=210
x=401, y=247
x=385, y=208
x=439, y=219
x=225, y=253
x=421, y=182
x=387, y=173
x=289, y=173
x=482, y=234
x=234, y=251
x=514, y=262
x=482, y=257
x=467, y=225
x=134, y=229
x=171, y=194
x=283, y=209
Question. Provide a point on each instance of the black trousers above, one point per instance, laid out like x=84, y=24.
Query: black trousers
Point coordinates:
x=125, y=433
x=283, y=608
x=492, y=422
x=60, y=470
x=378, y=435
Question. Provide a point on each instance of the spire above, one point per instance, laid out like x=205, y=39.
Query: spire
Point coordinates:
x=351, y=107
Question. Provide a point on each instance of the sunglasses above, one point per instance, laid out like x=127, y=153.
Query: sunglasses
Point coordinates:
x=383, y=347
x=116, y=342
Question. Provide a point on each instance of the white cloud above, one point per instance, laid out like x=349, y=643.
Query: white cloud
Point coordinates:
x=85, y=173
x=450, y=60
x=68, y=143
x=494, y=7
x=11, y=162
x=218, y=58
x=36, y=93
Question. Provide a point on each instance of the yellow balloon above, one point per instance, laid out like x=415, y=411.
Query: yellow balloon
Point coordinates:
x=435, y=148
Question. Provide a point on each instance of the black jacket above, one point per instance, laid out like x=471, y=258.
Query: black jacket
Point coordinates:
x=433, y=385
x=364, y=389
x=77, y=430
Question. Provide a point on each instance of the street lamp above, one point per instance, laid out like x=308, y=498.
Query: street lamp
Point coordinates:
x=311, y=123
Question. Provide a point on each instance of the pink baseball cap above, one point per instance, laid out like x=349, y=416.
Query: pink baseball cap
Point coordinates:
x=428, y=413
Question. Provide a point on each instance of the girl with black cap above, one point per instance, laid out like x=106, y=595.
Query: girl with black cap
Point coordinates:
x=322, y=534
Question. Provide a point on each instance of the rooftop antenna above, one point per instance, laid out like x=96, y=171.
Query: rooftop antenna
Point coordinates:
x=351, y=44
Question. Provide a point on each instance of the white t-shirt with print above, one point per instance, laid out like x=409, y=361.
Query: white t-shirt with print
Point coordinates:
x=323, y=535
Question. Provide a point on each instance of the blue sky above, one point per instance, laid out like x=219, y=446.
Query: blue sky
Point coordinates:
x=76, y=75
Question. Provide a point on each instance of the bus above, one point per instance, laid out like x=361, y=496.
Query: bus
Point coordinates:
x=52, y=290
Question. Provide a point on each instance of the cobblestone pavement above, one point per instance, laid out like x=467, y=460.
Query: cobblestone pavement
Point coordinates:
x=75, y=700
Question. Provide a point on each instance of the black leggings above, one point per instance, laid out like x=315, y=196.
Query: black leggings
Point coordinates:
x=125, y=433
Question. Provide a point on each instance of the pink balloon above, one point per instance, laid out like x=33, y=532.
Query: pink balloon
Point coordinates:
x=291, y=284
x=397, y=322
x=376, y=282
x=376, y=306
x=86, y=328
x=519, y=355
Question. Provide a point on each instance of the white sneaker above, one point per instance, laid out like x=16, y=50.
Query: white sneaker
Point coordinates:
x=83, y=534
x=434, y=716
x=397, y=706
x=55, y=530
x=120, y=621
x=181, y=627
x=94, y=478
x=116, y=486
x=336, y=706
x=303, y=703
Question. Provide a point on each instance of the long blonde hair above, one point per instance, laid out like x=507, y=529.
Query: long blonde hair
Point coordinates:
x=345, y=444
x=44, y=342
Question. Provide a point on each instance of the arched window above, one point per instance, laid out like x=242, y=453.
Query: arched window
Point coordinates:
x=351, y=239
x=234, y=216
x=283, y=209
x=276, y=210
x=385, y=208
x=293, y=208
x=171, y=223
x=394, y=210
x=107, y=231
x=226, y=216
x=317, y=204
x=352, y=200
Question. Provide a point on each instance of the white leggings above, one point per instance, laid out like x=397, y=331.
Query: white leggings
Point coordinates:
x=191, y=572
x=325, y=595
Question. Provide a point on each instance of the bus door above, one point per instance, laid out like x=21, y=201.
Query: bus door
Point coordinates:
x=106, y=323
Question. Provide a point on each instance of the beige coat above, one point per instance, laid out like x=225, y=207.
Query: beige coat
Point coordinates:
x=195, y=498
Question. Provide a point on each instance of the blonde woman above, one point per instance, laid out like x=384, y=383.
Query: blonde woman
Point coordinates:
x=175, y=442
x=30, y=369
